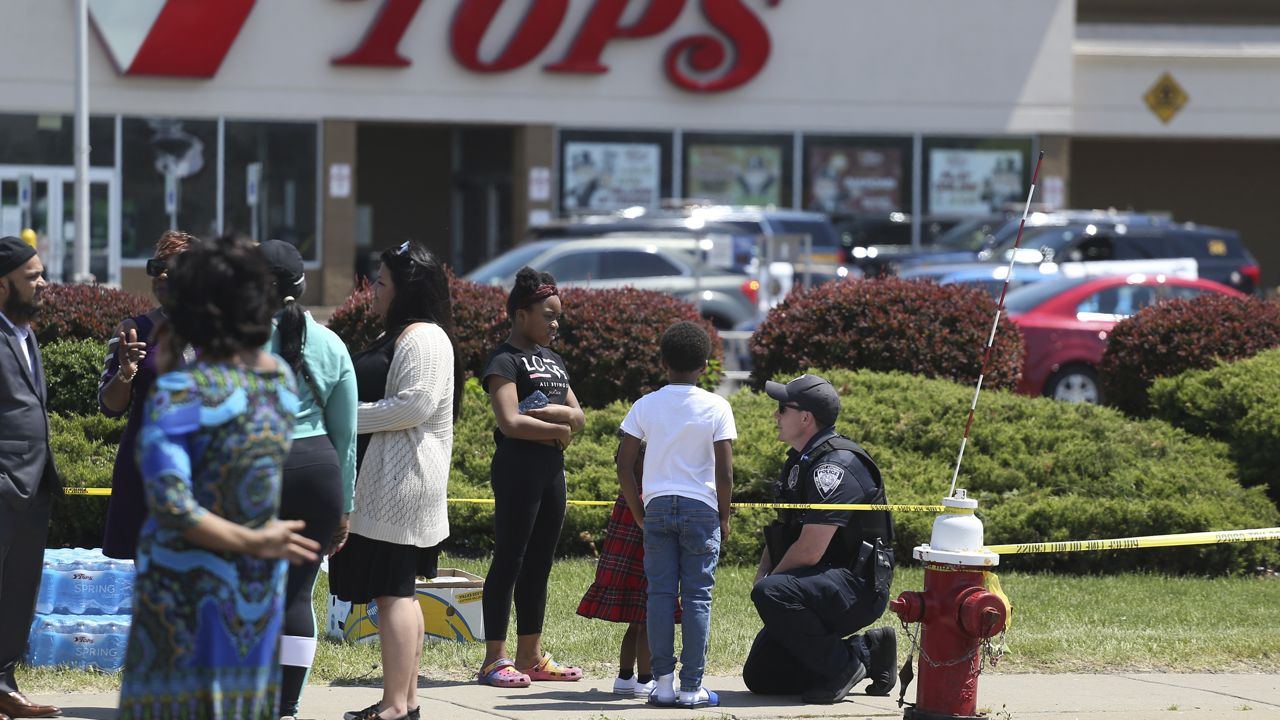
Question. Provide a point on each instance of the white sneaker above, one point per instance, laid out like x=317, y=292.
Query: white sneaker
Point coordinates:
x=624, y=686
x=664, y=690
x=643, y=689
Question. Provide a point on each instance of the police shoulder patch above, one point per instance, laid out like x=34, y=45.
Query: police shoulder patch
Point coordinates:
x=827, y=477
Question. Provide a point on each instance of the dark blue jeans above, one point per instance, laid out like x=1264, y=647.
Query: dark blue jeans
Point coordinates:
x=681, y=550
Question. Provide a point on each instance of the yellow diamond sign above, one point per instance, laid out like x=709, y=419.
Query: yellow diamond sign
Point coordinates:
x=1166, y=98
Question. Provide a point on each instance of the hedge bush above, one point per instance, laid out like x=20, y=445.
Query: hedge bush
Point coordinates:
x=1237, y=403
x=609, y=338
x=1043, y=471
x=72, y=369
x=887, y=324
x=84, y=446
x=86, y=312
x=1169, y=338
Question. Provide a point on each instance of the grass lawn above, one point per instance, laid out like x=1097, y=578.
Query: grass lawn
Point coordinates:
x=1061, y=624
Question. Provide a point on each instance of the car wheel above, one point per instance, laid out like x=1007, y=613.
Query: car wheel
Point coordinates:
x=1075, y=383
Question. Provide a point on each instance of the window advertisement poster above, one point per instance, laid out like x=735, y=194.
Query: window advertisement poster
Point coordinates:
x=611, y=175
x=735, y=174
x=974, y=181
x=849, y=178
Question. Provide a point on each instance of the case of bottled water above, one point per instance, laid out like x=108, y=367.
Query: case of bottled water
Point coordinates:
x=83, y=610
x=96, y=641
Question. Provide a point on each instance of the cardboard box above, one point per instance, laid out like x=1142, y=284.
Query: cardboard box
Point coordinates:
x=451, y=610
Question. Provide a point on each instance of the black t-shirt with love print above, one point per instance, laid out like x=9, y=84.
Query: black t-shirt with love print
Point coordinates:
x=541, y=370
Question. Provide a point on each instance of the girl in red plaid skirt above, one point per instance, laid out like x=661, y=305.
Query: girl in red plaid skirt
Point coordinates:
x=619, y=594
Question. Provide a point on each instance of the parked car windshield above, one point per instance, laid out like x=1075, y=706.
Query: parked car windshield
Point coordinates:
x=1030, y=297
x=500, y=270
x=968, y=236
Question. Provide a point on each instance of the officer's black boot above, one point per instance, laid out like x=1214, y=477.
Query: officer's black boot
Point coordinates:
x=834, y=689
x=882, y=645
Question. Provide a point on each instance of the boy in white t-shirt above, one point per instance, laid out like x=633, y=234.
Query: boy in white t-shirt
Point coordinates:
x=688, y=484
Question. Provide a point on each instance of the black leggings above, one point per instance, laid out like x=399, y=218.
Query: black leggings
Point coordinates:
x=312, y=491
x=529, y=504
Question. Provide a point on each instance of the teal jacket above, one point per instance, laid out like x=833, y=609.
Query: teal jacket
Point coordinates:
x=329, y=363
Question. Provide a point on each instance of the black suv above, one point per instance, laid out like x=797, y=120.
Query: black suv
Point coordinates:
x=1219, y=253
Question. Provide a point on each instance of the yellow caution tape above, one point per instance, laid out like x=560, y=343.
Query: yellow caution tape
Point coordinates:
x=609, y=503
x=993, y=586
x=1147, y=541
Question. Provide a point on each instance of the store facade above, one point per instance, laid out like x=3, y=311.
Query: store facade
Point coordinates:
x=346, y=126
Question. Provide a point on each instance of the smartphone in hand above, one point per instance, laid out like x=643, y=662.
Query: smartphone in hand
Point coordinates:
x=535, y=400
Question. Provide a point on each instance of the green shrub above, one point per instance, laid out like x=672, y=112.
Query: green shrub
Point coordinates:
x=1042, y=471
x=1172, y=337
x=886, y=325
x=72, y=369
x=84, y=446
x=1237, y=403
x=86, y=312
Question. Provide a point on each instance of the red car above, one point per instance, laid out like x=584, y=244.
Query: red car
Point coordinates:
x=1065, y=323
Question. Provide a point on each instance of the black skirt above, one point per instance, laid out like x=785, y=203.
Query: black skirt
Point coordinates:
x=365, y=569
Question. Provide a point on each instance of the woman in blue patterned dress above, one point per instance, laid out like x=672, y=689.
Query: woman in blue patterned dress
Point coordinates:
x=207, y=615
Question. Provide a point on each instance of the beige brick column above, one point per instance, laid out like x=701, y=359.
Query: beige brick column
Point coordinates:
x=1057, y=163
x=534, y=147
x=336, y=276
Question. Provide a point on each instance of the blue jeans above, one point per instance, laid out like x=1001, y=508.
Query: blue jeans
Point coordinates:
x=681, y=549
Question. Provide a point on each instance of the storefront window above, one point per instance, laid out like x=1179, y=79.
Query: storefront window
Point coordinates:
x=608, y=171
x=282, y=156
x=857, y=176
x=966, y=177
x=738, y=169
x=50, y=140
x=170, y=180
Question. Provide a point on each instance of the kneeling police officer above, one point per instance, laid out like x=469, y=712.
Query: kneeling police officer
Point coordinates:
x=824, y=574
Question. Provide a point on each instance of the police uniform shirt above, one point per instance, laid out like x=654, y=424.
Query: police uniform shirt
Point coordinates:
x=541, y=369
x=837, y=477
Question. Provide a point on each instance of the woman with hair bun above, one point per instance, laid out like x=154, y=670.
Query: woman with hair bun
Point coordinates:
x=537, y=414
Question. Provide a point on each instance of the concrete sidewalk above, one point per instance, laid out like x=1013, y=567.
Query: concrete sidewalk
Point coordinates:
x=1143, y=696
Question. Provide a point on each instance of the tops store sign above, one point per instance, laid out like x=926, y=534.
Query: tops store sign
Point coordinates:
x=182, y=38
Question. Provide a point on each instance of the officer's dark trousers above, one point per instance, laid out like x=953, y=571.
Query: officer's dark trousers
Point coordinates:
x=807, y=613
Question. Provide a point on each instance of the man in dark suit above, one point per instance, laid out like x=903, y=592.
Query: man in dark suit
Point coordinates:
x=28, y=477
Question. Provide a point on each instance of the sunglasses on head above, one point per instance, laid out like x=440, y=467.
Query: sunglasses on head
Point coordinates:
x=157, y=267
x=403, y=249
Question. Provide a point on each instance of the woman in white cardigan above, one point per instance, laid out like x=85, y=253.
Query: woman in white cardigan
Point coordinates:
x=409, y=399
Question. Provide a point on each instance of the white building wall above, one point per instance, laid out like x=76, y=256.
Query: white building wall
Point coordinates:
x=980, y=67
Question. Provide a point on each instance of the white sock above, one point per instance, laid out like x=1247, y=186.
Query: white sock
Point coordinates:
x=665, y=690
x=689, y=697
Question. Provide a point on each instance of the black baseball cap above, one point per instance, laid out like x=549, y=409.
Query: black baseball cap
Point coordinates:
x=14, y=253
x=810, y=393
x=285, y=262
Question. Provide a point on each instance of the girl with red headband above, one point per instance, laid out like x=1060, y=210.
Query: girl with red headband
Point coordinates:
x=536, y=414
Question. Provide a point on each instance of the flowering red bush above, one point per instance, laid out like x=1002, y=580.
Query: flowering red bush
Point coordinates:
x=354, y=320
x=888, y=324
x=609, y=341
x=85, y=312
x=1172, y=337
x=480, y=315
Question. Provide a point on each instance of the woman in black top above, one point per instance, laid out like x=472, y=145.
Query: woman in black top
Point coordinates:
x=536, y=415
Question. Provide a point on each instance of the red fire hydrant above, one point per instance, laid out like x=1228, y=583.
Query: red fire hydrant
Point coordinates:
x=956, y=611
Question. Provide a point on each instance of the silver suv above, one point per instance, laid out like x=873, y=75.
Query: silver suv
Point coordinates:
x=670, y=264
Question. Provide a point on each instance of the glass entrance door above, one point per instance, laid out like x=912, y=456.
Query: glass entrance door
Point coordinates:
x=42, y=198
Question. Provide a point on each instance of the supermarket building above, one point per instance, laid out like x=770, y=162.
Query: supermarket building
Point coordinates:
x=347, y=126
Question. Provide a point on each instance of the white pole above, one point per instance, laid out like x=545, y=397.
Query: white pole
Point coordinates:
x=82, y=216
